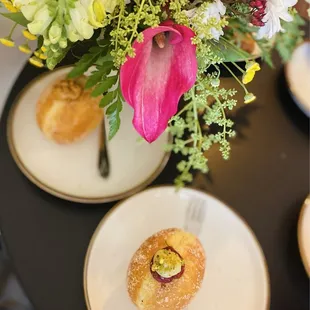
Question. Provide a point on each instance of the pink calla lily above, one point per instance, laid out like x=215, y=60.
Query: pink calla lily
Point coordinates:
x=154, y=80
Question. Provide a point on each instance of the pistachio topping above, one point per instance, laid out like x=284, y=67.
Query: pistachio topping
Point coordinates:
x=167, y=263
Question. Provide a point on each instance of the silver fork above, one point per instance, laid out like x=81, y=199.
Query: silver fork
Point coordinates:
x=195, y=216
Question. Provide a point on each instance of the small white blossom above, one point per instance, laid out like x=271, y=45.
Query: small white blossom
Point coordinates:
x=275, y=10
x=212, y=12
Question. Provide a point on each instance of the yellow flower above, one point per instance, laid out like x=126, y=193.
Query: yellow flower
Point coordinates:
x=252, y=66
x=7, y=42
x=36, y=62
x=248, y=76
x=40, y=55
x=249, y=97
x=25, y=49
x=29, y=35
x=43, y=49
x=9, y=6
x=43, y=56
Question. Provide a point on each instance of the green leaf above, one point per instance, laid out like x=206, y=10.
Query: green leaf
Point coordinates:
x=111, y=108
x=55, y=58
x=266, y=48
x=95, y=77
x=107, y=99
x=103, y=43
x=292, y=35
x=103, y=60
x=114, y=123
x=85, y=62
x=99, y=74
x=104, y=86
x=232, y=53
x=17, y=17
x=40, y=42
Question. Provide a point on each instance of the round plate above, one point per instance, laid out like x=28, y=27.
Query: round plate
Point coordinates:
x=304, y=234
x=71, y=171
x=297, y=74
x=236, y=271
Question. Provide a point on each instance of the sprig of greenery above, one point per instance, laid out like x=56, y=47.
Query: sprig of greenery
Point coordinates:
x=127, y=25
x=104, y=80
x=194, y=126
x=16, y=17
x=292, y=35
x=266, y=48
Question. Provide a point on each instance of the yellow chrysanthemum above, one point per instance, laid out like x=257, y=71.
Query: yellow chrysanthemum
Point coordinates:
x=9, y=6
x=25, y=49
x=249, y=97
x=29, y=35
x=7, y=42
x=248, y=76
x=36, y=62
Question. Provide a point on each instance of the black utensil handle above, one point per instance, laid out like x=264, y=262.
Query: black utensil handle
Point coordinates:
x=104, y=166
x=103, y=162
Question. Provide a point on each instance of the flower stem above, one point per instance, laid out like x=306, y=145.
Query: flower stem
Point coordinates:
x=197, y=124
x=238, y=67
x=137, y=20
x=184, y=109
x=118, y=23
x=246, y=91
x=224, y=116
x=234, y=47
x=12, y=30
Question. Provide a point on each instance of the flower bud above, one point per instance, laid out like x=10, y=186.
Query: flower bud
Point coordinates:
x=249, y=97
x=215, y=82
x=54, y=33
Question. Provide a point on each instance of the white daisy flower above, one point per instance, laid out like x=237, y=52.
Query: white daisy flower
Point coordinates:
x=274, y=12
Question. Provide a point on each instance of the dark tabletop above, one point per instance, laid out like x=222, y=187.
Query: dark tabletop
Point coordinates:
x=266, y=181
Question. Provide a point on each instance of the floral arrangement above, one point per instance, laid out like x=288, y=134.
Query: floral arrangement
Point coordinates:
x=151, y=53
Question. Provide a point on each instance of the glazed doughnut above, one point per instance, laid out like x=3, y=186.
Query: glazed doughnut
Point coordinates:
x=66, y=112
x=166, y=271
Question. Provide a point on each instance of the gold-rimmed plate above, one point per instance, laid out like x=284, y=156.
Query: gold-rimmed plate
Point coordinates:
x=70, y=171
x=303, y=234
x=297, y=75
x=236, y=271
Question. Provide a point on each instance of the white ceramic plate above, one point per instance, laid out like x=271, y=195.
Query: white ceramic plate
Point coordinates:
x=236, y=272
x=297, y=73
x=304, y=234
x=70, y=171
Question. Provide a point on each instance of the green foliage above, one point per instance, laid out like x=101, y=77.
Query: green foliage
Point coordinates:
x=266, y=50
x=86, y=61
x=127, y=26
x=55, y=57
x=205, y=107
x=104, y=86
x=229, y=51
x=17, y=17
x=113, y=111
x=292, y=35
x=202, y=122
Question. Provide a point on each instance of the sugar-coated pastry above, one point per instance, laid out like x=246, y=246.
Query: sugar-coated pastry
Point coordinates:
x=66, y=112
x=166, y=271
